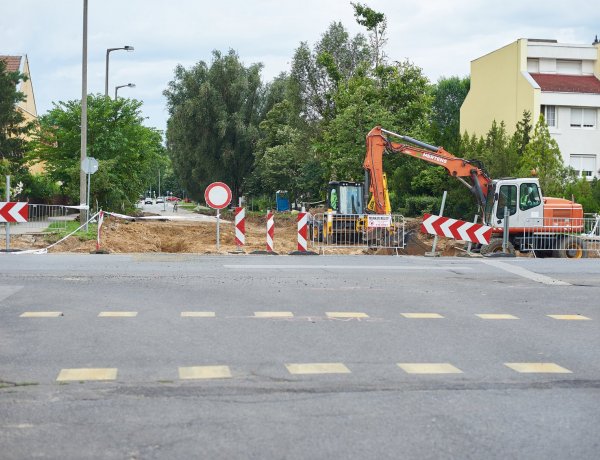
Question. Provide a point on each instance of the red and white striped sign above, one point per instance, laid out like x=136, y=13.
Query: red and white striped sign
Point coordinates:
x=270, y=231
x=457, y=229
x=11, y=211
x=302, y=231
x=240, y=226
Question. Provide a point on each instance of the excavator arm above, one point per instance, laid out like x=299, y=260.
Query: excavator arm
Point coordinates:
x=470, y=172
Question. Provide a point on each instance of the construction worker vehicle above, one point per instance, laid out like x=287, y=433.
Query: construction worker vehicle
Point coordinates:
x=535, y=223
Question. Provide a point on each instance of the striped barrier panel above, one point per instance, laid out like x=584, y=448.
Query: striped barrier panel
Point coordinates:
x=270, y=231
x=240, y=227
x=302, y=231
x=457, y=229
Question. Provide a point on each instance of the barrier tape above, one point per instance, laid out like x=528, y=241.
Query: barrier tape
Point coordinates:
x=45, y=250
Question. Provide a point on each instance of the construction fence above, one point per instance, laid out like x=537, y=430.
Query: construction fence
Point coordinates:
x=45, y=216
x=331, y=230
x=563, y=237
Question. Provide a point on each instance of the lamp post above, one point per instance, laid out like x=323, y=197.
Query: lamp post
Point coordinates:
x=83, y=151
x=126, y=48
x=128, y=85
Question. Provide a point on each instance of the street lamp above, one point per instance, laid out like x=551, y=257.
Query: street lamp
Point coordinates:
x=126, y=48
x=128, y=85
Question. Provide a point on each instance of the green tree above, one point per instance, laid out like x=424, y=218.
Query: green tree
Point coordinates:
x=127, y=151
x=335, y=58
x=376, y=23
x=448, y=96
x=542, y=157
x=213, y=125
x=13, y=126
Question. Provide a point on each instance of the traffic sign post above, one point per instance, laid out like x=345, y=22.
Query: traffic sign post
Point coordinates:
x=89, y=166
x=218, y=196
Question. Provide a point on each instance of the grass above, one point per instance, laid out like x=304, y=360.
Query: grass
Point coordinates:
x=61, y=229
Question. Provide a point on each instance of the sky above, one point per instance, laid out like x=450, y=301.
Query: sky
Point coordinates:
x=440, y=36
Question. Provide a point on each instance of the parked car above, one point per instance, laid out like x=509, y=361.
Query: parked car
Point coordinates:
x=160, y=199
x=148, y=201
x=173, y=198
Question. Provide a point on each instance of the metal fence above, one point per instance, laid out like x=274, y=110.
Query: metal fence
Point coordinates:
x=563, y=237
x=331, y=230
x=45, y=216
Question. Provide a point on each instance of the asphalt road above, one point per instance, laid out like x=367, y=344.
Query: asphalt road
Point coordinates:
x=298, y=357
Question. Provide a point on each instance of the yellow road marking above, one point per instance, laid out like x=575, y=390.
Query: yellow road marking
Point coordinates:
x=317, y=368
x=345, y=314
x=67, y=375
x=273, y=314
x=538, y=368
x=496, y=316
x=117, y=314
x=571, y=317
x=421, y=315
x=429, y=368
x=198, y=314
x=204, y=372
x=41, y=314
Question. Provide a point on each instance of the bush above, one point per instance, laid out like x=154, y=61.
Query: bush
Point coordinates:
x=419, y=205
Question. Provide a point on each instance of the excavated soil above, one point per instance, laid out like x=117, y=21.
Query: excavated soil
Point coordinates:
x=122, y=236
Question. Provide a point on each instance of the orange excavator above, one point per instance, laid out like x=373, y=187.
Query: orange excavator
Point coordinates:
x=521, y=197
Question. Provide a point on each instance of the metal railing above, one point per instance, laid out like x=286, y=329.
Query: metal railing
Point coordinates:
x=331, y=230
x=563, y=237
x=43, y=216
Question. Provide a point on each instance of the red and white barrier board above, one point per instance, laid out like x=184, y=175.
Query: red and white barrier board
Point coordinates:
x=457, y=229
x=11, y=211
x=270, y=231
x=302, y=231
x=240, y=226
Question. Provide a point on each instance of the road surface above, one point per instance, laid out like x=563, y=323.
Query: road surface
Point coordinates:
x=185, y=356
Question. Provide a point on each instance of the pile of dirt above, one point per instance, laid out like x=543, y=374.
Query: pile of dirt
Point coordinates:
x=122, y=236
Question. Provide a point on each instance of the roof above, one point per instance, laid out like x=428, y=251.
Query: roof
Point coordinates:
x=587, y=84
x=13, y=63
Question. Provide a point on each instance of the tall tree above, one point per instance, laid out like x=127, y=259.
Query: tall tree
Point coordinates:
x=542, y=157
x=127, y=152
x=213, y=125
x=13, y=127
x=376, y=23
x=336, y=57
x=448, y=96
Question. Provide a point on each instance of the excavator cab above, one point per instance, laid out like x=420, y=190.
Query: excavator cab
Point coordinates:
x=346, y=197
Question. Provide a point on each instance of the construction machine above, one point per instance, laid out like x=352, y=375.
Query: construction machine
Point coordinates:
x=530, y=214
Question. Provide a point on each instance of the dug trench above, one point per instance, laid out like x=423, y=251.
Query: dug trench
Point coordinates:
x=141, y=236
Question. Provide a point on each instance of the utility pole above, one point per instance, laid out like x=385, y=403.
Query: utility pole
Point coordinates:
x=82, y=176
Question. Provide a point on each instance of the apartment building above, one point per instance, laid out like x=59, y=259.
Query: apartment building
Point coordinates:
x=560, y=81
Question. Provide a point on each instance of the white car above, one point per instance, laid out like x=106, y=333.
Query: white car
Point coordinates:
x=160, y=199
x=148, y=201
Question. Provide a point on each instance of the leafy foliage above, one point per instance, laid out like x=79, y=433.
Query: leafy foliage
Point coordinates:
x=13, y=126
x=213, y=125
x=127, y=151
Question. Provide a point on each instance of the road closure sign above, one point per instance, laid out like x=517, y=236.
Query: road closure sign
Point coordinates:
x=217, y=195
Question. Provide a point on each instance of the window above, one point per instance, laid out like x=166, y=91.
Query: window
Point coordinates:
x=584, y=165
x=549, y=112
x=507, y=198
x=530, y=196
x=583, y=118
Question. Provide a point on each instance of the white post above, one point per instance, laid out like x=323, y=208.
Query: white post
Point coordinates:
x=7, y=224
x=218, y=232
x=435, y=238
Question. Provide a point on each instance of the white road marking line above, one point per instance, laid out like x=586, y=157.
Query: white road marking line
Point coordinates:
x=570, y=317
x=520, y=271
x=68, y=375
x=41, y=314
x=345, y=267
x=422, y=315
x=345, y=314
x=429, y=368
x=117, y=314
x=317, y=368
x=538, y=368
x=204, y=372
x=198, y=314
x=495, y=316
x=273, y=314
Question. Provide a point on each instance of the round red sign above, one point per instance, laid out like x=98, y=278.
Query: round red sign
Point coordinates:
x=217, y=195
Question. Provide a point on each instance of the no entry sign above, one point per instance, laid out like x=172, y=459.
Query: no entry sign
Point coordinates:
x=217, y=195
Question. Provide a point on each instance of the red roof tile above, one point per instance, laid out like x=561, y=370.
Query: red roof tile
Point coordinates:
x=567, y=83
x=13, y=63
